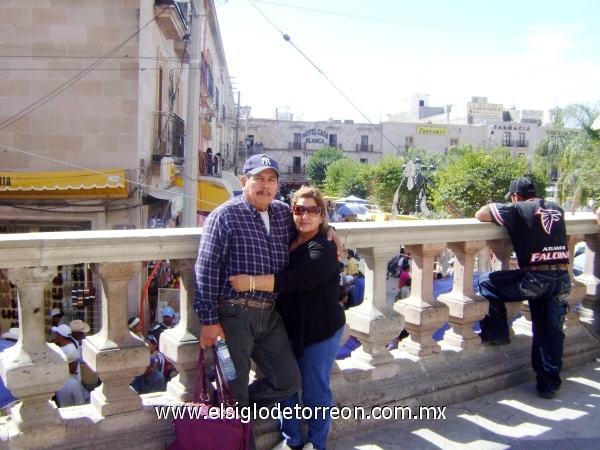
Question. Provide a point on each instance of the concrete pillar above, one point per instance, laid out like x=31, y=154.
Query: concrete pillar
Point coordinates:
x=423, y=315
x=180, y=344
x=578, y=289
x=32, y=369
x=465, y=308
x=591, y=272
x=502, y=249
x=114, y=353
x=373, y=322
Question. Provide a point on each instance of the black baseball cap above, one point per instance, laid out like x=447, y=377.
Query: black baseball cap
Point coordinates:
x=260, y=162
x=522, y=186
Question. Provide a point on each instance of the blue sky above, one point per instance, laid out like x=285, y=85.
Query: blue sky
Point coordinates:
x=531, y=54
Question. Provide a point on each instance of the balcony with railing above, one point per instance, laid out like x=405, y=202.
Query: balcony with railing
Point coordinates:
x=422, y=370
x=364, y=147
x=172, y=18
x=296, y=145
x=169, y=136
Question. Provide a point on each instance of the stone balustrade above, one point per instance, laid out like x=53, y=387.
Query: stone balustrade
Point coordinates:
x=422, y=371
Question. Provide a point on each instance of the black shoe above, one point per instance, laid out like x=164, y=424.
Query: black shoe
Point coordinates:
x=547, y=394
x=501, y=341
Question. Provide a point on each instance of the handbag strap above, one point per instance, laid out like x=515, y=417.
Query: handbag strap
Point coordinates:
x=200, y=388
x=201, y=395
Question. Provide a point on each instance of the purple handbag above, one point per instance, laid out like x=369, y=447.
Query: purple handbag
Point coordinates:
x=198, y=430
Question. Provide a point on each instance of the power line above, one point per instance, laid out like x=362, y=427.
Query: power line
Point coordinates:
x=39, y=103
x=97, y=172
x=288, y=39
x=436, y=26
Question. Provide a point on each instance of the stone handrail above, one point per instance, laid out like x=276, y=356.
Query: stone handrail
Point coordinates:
x=33, y=370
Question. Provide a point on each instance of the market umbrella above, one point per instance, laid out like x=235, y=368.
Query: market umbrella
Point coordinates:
x=352, y=208
x=352, y=199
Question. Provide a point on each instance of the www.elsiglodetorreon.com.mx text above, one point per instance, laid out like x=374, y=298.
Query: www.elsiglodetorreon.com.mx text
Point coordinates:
x=248, y=413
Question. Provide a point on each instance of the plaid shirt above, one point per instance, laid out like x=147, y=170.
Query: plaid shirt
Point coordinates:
x=235, y=241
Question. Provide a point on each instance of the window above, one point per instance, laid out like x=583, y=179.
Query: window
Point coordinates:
x=408, y=142
x=506, y=140
x=297, y=141
x=364, y=143
x=217, y=99
x=521, y=142
x=364, y=161
x=453, y=141
x=297, y=165
x=333, y=140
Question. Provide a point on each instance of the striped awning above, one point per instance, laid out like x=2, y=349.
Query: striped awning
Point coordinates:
x=63, y=184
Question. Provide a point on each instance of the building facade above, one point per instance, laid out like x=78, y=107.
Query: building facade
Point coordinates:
x=434, y=129
x=93, y=118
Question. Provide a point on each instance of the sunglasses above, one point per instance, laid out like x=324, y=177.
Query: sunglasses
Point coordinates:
x=311, y=210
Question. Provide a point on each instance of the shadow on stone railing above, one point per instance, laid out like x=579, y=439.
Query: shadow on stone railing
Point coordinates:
x=421, y=370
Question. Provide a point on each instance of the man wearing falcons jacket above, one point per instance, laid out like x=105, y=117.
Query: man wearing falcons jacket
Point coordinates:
x=538, y=233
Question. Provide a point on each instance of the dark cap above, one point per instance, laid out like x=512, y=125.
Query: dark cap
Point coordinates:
x=260, y=162
x=522, y=186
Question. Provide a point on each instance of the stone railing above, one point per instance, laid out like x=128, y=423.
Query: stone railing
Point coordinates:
x=421, y=371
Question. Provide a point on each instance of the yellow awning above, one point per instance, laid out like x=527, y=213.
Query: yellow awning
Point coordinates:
x=212, y=192
x=67, y=184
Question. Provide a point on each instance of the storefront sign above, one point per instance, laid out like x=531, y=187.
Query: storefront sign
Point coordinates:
x=489, y=110
x=316, y=136
x=532, y=114
x=4, y=181
x=514, y=127
x=432, y=130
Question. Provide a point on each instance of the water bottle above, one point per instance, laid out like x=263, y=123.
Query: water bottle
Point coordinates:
x=225, y=360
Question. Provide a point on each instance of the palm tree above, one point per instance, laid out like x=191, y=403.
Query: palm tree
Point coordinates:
x=571, y=153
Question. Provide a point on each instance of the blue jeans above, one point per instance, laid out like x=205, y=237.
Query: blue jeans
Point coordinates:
x=547, y=293
x=315, y=366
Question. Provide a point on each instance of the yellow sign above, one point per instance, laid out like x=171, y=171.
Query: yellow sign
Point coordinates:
x=432, y=130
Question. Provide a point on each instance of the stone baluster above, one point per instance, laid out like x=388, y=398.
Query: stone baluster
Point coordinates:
x=502, y=249
x=590, y=277
x=578, y=289
x=180, y=344
x=374, y=323
x=114, y=353
x=465, y=307
x=33, y=370
x=423, y=315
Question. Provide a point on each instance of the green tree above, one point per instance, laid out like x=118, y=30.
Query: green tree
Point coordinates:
x=318, y=163
x=344, y=178
x=571, y=155
x=479, y=176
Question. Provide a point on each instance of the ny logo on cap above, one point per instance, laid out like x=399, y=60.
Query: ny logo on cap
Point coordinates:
x=265, y=161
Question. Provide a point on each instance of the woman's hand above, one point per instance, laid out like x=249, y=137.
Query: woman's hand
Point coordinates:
x=240, y=283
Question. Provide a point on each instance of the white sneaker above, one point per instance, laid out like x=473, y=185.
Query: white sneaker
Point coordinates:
x=282, y=446
x=308, y=446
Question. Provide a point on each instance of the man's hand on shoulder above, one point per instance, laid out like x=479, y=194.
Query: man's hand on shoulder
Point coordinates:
x=332, y=236
x=210, y=333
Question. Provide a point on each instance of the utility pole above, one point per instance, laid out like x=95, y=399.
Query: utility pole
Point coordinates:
x=190, y=150
x=237, y=133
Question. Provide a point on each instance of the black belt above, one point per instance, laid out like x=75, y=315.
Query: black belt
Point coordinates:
x=266, y=305
x=546, y=267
